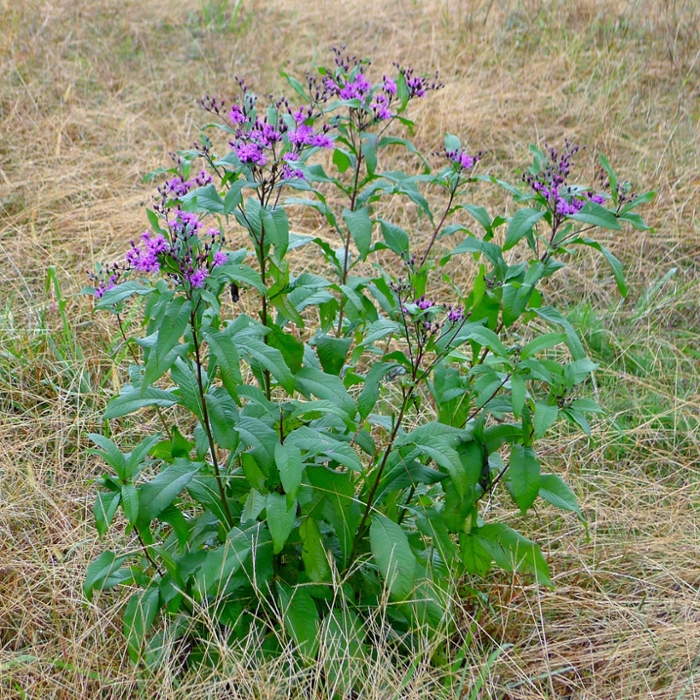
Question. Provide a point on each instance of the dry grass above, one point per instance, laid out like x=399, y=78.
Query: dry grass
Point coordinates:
x=95, y=94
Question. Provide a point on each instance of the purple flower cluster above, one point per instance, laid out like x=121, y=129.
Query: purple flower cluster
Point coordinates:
x=551, y=183
x=186, y=254
x=144, y=257
x=270, y=145
x=424, y=304
x=349, y=81
x=462, y=160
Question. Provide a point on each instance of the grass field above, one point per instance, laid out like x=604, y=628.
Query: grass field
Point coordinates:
x=96, y=93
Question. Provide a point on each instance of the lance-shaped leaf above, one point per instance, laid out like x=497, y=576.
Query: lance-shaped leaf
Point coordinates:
x=300, y=617
x=360, y=226
x=104, y=573
x=524, y=476
x=313, y=552
x=290, y=466
x=170, y=330
x=158, y=493
x=140, y=613
x=393, y=555
x=224, y=349
x=280, y=519
x=520, y=225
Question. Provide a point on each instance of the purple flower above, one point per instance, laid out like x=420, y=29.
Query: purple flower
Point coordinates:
x=302, y=136
x=220, y=258
x=236, y=115
x=204, y=178
x=177, y=187
x=389, y=85
x=251, y=153
x=144, y=258
x=569, y=208
x=462, y=159
x=196, y=277
x=213, y=232
x=455, y=315
x=185, y=220
x=380, y=107
x=322, y=141
x=597, y=198
x=290, y=173
x=424, y=303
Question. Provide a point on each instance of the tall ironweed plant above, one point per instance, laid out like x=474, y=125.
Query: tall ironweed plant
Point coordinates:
x=298, y=482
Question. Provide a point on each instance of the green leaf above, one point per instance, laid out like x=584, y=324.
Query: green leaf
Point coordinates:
x=393, y=555
x=615, y=264
x=132, y=399
x=280, y=519
x=139, y=455
x=487, y=338
x=183, y=375
x=170, y=330
x=544, y=418
x=542, y=342
x=224, y=349
x=104, y=573
x=524, y=476
x=300, y=617
x=555, y=491
x=111, y=454
x=242, y=274
x=140, y=613
x=313, y=552
x=481, y=215
x=521, y=224
x=341, y=160
x=106, y=504
x=310, y=380
x=203, y=199
x=343, y=655
x=515, y=299
x=611, y=177
x=579, y=370
x=491, y=251
x=162, y=490
x=513, y=552
x=332, y=353
x=379, y=330
x=120, y=293
x=258, y=354
x=220, y=564
x=551, y=315
x=586, y=405
x=130, y=503
x=643, y=198
x=234, y=197
x=370, y=392
x=360, y=226
x=276, y=229
x=596, y=215
x=291, y=467
x=395, y=237
x=518, y=393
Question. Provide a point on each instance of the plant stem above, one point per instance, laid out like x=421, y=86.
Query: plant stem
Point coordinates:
x=346, y=251
x=205, y=420
x=370, y=499
x=433, y=238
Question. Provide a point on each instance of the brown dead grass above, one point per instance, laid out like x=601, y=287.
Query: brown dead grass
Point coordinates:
x=95, y=94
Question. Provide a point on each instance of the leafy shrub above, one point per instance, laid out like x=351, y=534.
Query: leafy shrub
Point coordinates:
x=297, y=485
